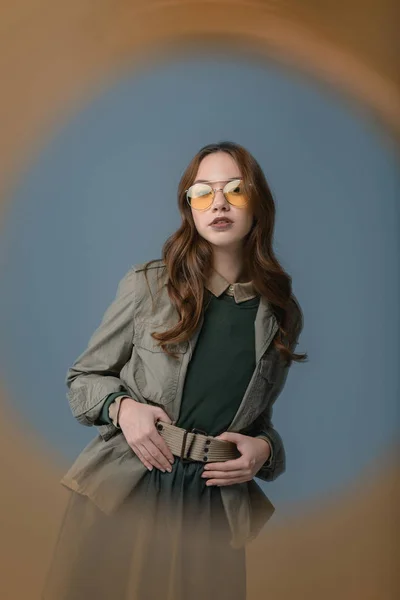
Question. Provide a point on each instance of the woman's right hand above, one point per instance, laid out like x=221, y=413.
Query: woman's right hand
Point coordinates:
x=138, y=424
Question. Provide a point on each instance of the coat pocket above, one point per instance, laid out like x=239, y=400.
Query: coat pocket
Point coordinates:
x=156, y=374
x=143, y=338
x=105, y=472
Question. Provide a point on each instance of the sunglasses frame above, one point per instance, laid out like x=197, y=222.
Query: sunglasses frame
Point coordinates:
x=214, y=190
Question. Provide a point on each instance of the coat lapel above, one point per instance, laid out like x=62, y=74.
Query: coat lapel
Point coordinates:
x=266, y=326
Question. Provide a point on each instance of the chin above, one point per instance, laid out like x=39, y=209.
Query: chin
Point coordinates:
x=220, y=241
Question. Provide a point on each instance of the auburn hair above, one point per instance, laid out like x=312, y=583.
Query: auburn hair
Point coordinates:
x=188, y=258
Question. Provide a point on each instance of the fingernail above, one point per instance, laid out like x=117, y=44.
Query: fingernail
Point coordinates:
x=150, y=468
x=169, y=470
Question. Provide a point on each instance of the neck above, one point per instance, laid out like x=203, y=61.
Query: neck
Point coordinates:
x=229, y=263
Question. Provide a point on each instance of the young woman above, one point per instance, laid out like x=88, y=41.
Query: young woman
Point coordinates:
x=180, y=378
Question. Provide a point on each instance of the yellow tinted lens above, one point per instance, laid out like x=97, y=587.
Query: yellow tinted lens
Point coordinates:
x=234, y=193
x=200, y=196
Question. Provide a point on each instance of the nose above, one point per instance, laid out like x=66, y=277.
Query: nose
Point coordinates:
x=219, y=199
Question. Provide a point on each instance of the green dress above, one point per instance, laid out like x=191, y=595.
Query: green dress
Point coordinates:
x=170, y=539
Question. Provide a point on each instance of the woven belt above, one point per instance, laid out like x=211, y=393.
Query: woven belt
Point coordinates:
x=196, y=444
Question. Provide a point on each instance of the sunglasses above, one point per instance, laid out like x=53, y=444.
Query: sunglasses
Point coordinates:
x=200, y=196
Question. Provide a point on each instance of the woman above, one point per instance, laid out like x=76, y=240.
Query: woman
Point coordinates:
x=180, y=378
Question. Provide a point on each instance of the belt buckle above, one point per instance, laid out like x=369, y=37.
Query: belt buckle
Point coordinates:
x=183, y=448
x=196, y=430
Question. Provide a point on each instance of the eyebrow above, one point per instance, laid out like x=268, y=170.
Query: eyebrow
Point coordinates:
x=217, y=180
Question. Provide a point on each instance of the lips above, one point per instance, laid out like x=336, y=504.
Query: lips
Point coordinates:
x=220, y=220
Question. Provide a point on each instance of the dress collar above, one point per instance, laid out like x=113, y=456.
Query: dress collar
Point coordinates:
x=218, y=285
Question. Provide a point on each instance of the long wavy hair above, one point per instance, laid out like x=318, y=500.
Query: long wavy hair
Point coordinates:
x=188, y=258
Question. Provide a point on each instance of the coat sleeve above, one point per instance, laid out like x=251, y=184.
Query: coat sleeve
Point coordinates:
x=263, y=426
x=96, y=372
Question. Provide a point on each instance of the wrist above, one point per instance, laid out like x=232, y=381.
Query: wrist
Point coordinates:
x=266, y=446
x=126, y=402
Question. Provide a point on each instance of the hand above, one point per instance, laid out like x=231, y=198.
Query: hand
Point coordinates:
x=254, y=451
x=137, y=422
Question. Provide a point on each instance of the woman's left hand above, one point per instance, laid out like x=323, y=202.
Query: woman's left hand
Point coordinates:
x=254, y=451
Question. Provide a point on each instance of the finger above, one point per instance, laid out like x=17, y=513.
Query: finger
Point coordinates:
x=150, y=458
x=230, y=436
x=155, y=456
x=161, y=444
x=223, y=482
x=161, y=415
x=225, y=474
x=142, y=458
x=227, y=465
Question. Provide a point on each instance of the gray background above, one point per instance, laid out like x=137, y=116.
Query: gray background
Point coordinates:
x=102, y=196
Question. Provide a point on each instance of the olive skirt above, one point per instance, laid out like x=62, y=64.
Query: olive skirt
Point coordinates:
x=170, y=540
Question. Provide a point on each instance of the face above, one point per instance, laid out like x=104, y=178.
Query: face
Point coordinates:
x=218, y=169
